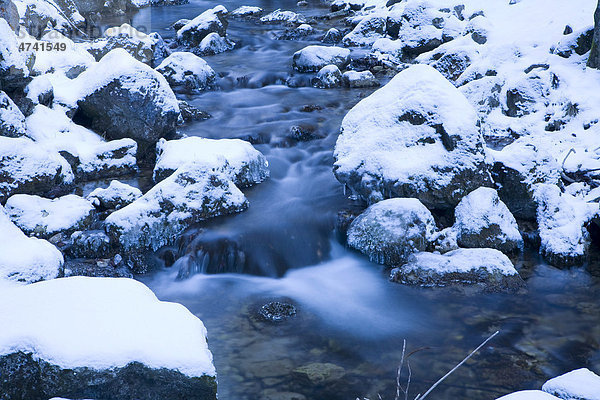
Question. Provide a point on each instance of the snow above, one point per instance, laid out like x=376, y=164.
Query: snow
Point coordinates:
x=102, y=323
x=24, y=259
x=528, y=395
x=9, y=50
x=180, y=66
x=246, y=11
x=578, y=384
x=314, y=57
x=329, y=76
x=72, y=61
x=213, y=43
x=203, y=21
x=12, y=120
x=39, y=216
x=117, y=193
x=240, y=161
x=283, y=16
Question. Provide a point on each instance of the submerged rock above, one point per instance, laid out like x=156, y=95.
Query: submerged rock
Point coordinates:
x=313, y=58
x=187, y=71
x=320, y=373
x=415, y=137
x=488, y=267
x=117, y=195
x=391, y=230
x=277, y=311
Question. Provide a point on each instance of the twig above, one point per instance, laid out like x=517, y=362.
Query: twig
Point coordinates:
x=408, y=381
x=398, y=386
x=419, y=397
x=563, y=174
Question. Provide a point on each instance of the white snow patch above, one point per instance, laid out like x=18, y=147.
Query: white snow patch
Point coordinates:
x=578, y=384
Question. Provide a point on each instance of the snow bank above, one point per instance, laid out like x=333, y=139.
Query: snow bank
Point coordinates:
x=578, y=384
x=102, y=323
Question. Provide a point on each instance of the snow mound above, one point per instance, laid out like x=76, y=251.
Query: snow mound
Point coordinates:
x=578, y=384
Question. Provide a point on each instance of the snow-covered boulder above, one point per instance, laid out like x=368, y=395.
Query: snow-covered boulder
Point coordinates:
x=246, y=12
x=487, y=267
x=26, y=167
x=102, y=338
x=578, y=384
x=366, y=32
x=561, y=221
x=44, y=218
x=328, y=77
x=297, y=33
x=241, y=162
x=117, y=195
x=188, y=71
x=195, y=192
x=355, y=79
x=391, y=230
x=283, y=17
x=12, y=120
x=528, y=395
x=136, y=43
x=212, y=44
x=89, y=244
x=124, y=98
x=14, y=65
x=415, y=137
x=332, y=36
x=24, y=259
x=73, y=60
x=313, y=58
x=213, y=20
x=484, y=221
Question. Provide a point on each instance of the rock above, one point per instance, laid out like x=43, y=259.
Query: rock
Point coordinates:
x=320, y=373
x=89, y=244
x=72, y=61
x=117, y=195
x=282, y=396
x=103, y=338
x=528, y=395
x=578, y=384
x=124, y=98
x=579, y=42
x=187, y=71
x=297, y=33
x=561, y=221
x=241, y=162
x=479, y=28
x=332, y=36
x=328, y=77
x=93, y=8
x=44, y=218
x=40, y=92
x=213, y=20
x=24, y=259
x=195, y=192
x=212, y=44
x=313, y=58
x=277, y=311
x=484, y=221
x=12, y=120
x=26, y=167
x=137, y=44
x=303, y=133
x=190, y=113
x=594, y=58
x=488, y=267
x=452, y=64
x=177, y=25
x=9, y=11
x=283, y=17
x=391, y=230
x=423, y=142
x=445, y=240
x=14, y=65
x=364, y=79
x=366, y=32
x=246, y=12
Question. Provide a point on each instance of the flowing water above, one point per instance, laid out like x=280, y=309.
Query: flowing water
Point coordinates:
x=348, y=314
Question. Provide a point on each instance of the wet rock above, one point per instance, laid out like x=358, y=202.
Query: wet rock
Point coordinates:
x=577, y=384
x=190, y=113
x=423, y=118
x=298, y=33
x=246, y=12
x=364, y=79
x=187, y=71
x=89, y=244
x=117, y=195
x=484, y=221
x=366, y=32
x=277, y=311
x=212, y=44
x=391, y=230
x=328, y=77
x=136, y=43
x=43, y=218
x=313, y=58
x=332, y=36
x=283, y=17
x=213, y=20
x=487, y=267
x=303, y=133
x=12, y=120
x=320, y=373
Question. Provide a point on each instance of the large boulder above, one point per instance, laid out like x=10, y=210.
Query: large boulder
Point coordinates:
x=483, y=220
x=24, y=259
x=391, y=230
x=187, y=71
x=12, y=120
x=212, y=44
x=241, y=162
x=103, y=338
x=120, y=97
x=44, y=218
x=213, y=20
x=415, y=137
x=313, y=58
x=487, y=267
x=578, y=384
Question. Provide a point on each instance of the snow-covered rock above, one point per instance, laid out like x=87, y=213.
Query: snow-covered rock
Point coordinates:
x=124, y=98
x=89, y=244
x=484, y=221
x=579, y=384
x=241, y=162
x=487, y=267
x=313, y=58
x=44, y=218
x=183, y=69
x=561, y=222
x=41, y=16
x=415, y=137
x=9, y=11
x=366, y=32
x=83, y=333
x=136, y=43
x=355, y=79
x=297, y=33
x=283, y=17
x=26, y=167
x=246, y=12
x=24, y=259
x=528, y=395
x=117, y=195
x=73, y=60
x=12, y=120
x=212, y=44
x=391, y=230
x=212, y=20
x=14, y=65
x=195, y=192
x=328, y=77
x=332, y=36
